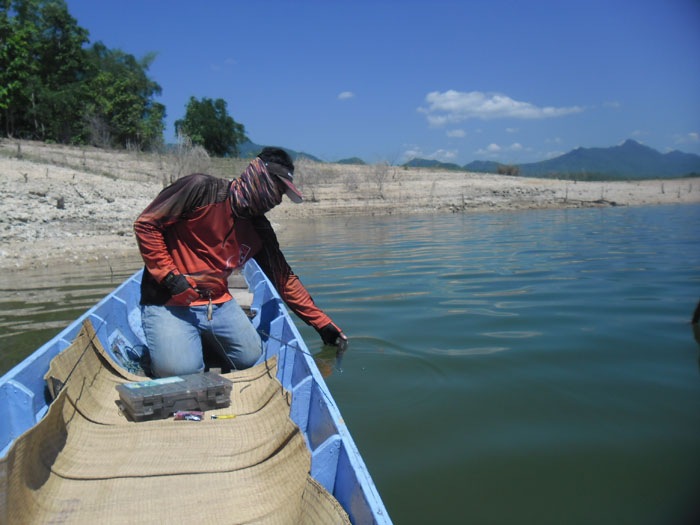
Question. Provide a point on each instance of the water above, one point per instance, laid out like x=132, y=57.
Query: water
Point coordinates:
x=531, y=367
x=525, y=367
x=38, y=304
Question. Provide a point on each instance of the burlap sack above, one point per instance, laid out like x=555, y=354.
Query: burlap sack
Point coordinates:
x=86, y=463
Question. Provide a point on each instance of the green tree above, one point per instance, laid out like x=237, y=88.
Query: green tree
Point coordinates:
x=208, y=124
x=54, y=88
x=62, y=59
x=18, y=69
x=120, y=110
x=42, y=64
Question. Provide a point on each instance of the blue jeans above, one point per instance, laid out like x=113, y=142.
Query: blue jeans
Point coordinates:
x=176, y=336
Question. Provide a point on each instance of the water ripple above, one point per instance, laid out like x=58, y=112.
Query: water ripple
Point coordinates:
x=512, y=334
x=521, y=346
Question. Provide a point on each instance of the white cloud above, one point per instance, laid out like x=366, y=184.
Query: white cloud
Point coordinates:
x=226, y=64
x=455, y=106
x=456, y=133
x=411, y=152
x=512, y=130
x=443, y=155
x=689, y=138
x=346, y=95
x=494, y=150
x=491, y=149
x=553, y=154
x=415, y=152
x=437, y=121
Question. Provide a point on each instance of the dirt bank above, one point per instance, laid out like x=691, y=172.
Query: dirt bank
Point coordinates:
x=66, y=205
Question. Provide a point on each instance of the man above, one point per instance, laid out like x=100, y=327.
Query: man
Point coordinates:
x=191, y=237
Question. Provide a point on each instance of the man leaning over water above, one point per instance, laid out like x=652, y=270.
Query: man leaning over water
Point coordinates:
x=191, y=237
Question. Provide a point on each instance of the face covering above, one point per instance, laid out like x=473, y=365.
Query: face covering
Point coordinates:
x=255, y=192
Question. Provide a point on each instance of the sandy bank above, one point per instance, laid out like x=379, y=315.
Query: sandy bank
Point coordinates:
x=63, y=205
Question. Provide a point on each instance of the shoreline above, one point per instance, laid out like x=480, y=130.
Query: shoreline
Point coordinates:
x=62, y=205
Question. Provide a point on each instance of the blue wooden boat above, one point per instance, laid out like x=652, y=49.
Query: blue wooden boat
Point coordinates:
x=336, y=463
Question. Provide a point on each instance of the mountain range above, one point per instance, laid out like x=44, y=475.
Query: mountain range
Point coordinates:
x=630, y=160
x=251, y=149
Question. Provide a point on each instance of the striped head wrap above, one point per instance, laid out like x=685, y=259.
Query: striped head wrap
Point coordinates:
x=255, y=192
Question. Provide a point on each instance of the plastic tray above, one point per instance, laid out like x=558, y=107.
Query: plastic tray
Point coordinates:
x=159, y=398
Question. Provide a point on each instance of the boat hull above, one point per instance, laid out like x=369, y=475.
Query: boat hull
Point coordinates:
x=335, y=460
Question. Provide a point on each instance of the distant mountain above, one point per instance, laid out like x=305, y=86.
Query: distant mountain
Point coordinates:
x=628, y=160
x=482, y=166
x=478, y=166
x=251, y=149
x=430, y=163
x=352, y=160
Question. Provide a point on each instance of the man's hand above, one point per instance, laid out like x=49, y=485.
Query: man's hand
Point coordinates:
x=332, y=335
x=182, y=291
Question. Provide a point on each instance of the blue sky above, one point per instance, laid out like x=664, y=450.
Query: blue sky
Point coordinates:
x=457, y=81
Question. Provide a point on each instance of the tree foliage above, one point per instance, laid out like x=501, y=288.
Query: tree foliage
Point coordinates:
x=40, y=68
x=208, y=124
x=53, y=88
x=508, y=169
x=120, y=108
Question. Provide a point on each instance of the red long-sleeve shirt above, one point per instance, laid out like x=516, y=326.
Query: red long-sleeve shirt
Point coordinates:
x=190, y=229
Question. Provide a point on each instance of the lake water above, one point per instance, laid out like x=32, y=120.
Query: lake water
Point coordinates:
x=515, y=367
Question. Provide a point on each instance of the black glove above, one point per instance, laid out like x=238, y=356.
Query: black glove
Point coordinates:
x=176, y=283
x=181, y=291
x=332, y=335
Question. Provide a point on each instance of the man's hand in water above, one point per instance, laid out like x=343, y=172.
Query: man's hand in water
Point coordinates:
x=332, y=335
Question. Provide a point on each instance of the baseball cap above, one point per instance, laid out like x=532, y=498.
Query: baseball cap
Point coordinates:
x=280, y=164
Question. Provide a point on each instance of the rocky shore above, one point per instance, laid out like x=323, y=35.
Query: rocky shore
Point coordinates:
x=69, y=205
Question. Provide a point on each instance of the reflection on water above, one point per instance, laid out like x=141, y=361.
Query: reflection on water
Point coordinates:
x=36, y=305
x=529, y=367
x=532, y=367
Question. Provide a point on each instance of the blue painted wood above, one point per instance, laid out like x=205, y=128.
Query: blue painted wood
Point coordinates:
x=17, y=409
x=301, y=404
x=322, y=424
x=324, y=462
